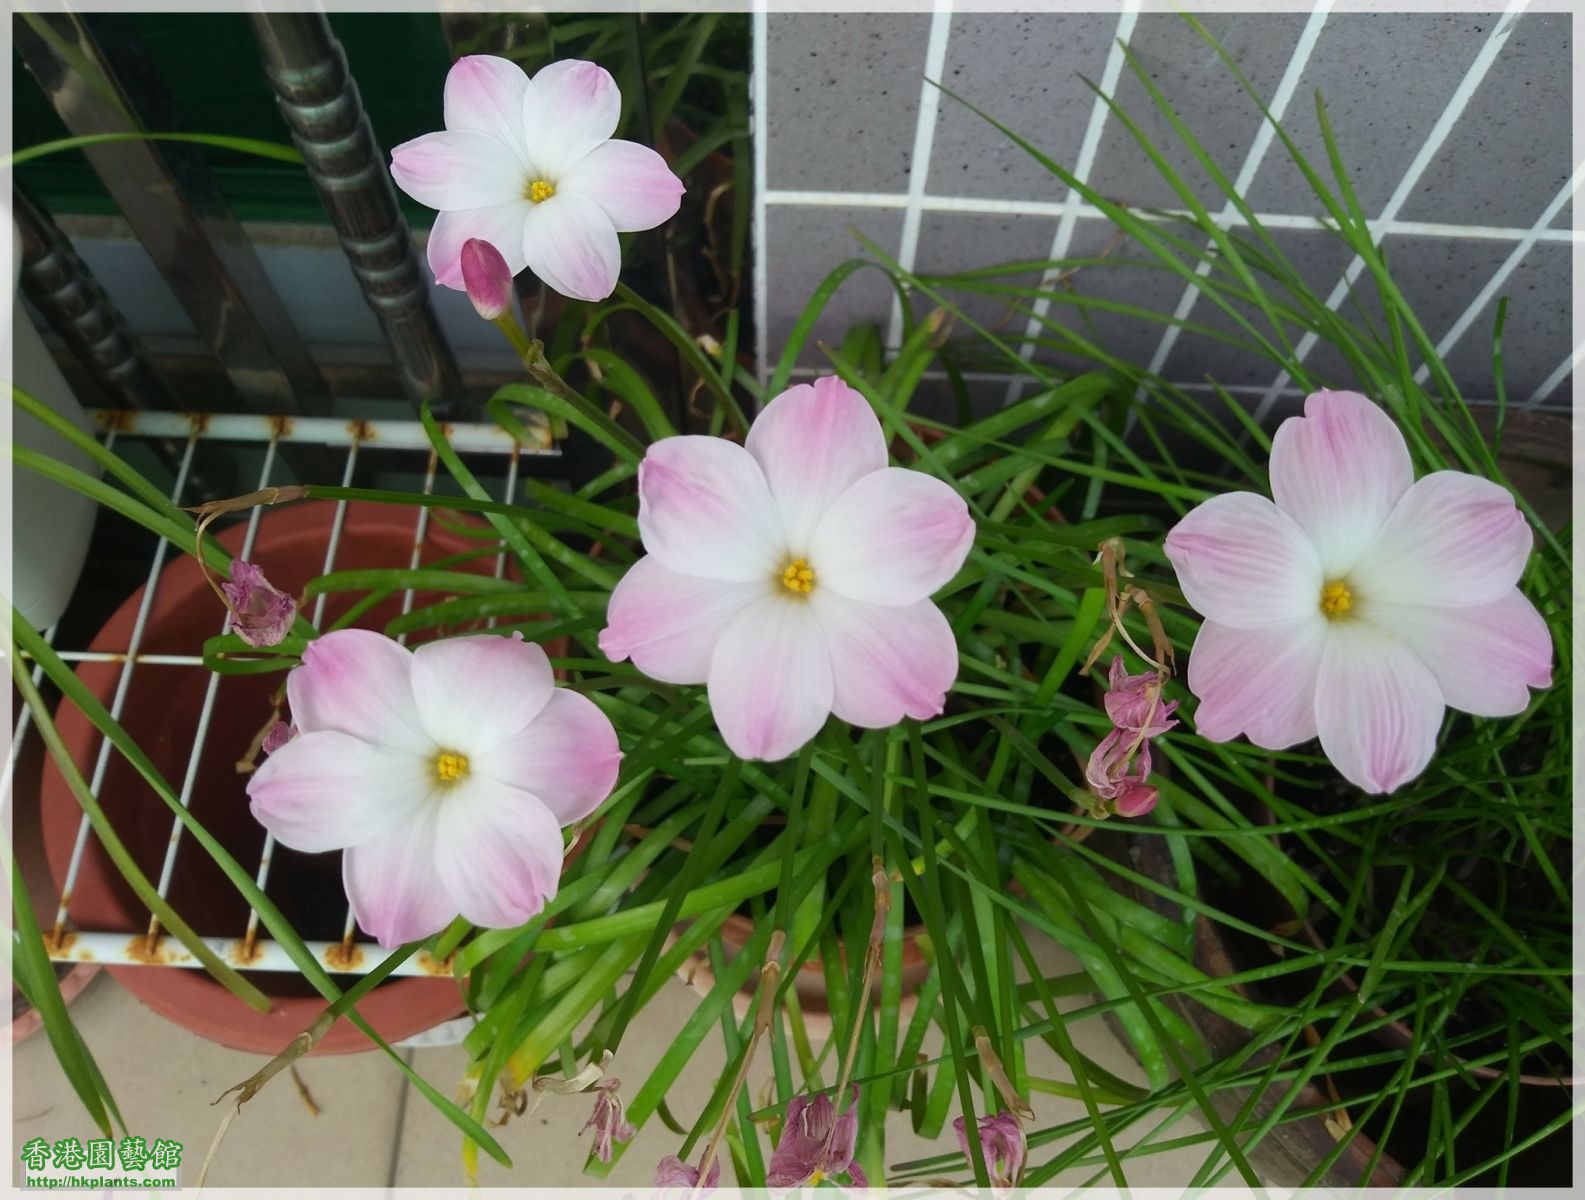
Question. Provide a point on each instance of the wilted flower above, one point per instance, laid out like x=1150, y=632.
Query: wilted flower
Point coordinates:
x=1133, y=702
x=676, y=1178
x=529, y=166
x=1124, y=793
x=445, y=773
x=607, y=1121
x=1001, y=1142
x=261, y=614
x=1362, y=603
x=815, y=1142
x=793, y=574
x=487, y=278
x=277, y=736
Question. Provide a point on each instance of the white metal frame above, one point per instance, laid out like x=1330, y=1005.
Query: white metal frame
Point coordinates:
x=248, y=949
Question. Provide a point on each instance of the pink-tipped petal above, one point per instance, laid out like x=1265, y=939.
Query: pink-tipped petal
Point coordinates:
x=487, y=278
x=571, y=244
x=570, y=107
x=498, y=851
x=567, y=756
x=813, y=443
x=501, y=225
x=631, y=182
x=894, y=537
x=1257, y=682
x=474, y=693
x=704, y=509
x=484, y=94
x=395, y=891
x=453, y=170
x=1337, y=471
x=329, y=790
x=1242, y=561
x=770, y=679
x=1377, y=707
x=358, y=682
x=1486, y=658
x=669, y=623
x=1454, y=540
x=887, y=663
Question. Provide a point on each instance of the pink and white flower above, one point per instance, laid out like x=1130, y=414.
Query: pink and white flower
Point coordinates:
x=1360, y=604
x=793, y=574
x=529, y=166
x=446, y=775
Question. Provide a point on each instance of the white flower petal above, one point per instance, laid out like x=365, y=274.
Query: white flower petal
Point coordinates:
x=1242, y=561
x=887, y=662
x=631, y=182
x=1454, y=540
x=475, y=692
x=704, y=509
x=771, y=686
x=668, y=623
x=329, y=790
x=1486, y=657
x=498, y=851
x=1337, y=471
x=814, y=442
x=570, y=243
x=484, y=94
x=894, y=537
x=395, y=891
x=1377, y=707
x=356, y=681
x=567, y=756
x=569, y=108
x=1257, y=682
x=454, y=169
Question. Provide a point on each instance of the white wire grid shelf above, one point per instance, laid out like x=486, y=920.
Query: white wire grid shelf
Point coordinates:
x=247, y=949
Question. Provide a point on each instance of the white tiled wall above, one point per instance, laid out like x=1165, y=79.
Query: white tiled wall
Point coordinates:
x=1455, y=127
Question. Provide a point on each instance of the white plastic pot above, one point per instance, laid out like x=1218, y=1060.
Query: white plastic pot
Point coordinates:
x=50, y=523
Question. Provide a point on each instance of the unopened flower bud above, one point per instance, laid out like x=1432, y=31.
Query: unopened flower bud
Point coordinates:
x=487, y=278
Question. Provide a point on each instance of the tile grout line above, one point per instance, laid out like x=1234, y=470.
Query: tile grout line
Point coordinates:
x=1500, y=276
x=1551, y=382
x=761, y=122
x=1411, y=178
x=924, y=144
x=1089, y=148
x=401, y=1123
x=1264, y=136
x=987, y=207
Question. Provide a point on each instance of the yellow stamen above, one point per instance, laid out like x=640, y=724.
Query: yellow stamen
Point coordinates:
x=1336, y=599
x=540, y=190
x=451, y=766
x=814, y=1180
x=799, y=577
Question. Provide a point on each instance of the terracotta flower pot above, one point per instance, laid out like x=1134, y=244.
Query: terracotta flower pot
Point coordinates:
x=161, y=712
